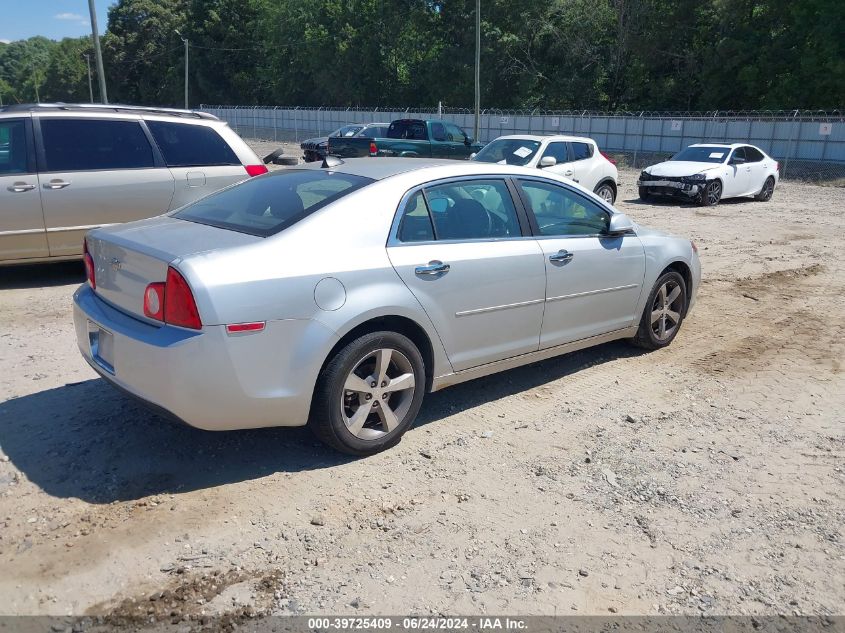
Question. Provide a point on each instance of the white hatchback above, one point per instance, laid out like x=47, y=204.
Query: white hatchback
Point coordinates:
x=574, y=157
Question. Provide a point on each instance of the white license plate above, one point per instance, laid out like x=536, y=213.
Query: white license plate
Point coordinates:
x=102, y=346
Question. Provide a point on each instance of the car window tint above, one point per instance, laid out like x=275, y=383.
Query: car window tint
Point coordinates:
x=411, y=130
x=559, y=211
x=415, y=225
x=89, y=144
x=557, y=151
x=13, y=151
x=508, y=151
x=185, y=145
x=580, y=151
x=738, y=155
x=438, y=132
x=474, y=209
x=752, y=155
x=269, y=204
x=455, y=133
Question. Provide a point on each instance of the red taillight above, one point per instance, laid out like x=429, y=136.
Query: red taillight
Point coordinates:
x=172, y=302
x=608, y=158
x=256, y=170
x=179, y=305
x=154, y=301
x=373, y=148
x=777, y=167
x=89, y=265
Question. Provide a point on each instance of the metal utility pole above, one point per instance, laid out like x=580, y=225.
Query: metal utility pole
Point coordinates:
x=101, y=75
x=184, y=39
x=477, y=68
x=90, y=85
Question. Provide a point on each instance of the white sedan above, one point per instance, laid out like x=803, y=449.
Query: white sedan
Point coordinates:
x=574, y=157
x=706, y=173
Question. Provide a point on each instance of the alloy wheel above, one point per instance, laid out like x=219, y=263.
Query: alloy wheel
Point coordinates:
x=666, y=310
x=377, y=393
x=606, y=194
x=714, y=192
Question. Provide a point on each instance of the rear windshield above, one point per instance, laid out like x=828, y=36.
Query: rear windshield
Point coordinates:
x=347, y=130
x=508, y=151
x=268, y=204
x=711, y=154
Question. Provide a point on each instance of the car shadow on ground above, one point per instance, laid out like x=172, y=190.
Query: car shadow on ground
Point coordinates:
x=41, y=275
x=666, y=201
x=88, y=441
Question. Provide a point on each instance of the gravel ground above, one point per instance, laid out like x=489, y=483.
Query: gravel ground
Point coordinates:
x=703, y=478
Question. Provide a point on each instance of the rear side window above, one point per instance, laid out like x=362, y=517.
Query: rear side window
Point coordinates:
x=416, y=222
x=13, y=159
x=438, y=132
x=264, y=206
x=580, y=151
x=752, y=155
x=90, y=144
x=186, y=145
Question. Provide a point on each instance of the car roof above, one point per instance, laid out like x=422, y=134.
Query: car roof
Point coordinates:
x=724, y=145
x=110, y=108
x=545, y=137
x=380, y=168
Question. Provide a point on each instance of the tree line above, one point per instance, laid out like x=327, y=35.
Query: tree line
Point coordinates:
x=554, y=54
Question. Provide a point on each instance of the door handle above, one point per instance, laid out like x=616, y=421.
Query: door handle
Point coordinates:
x=20, y=187
x=56, y=184
x=434, y=267
x=561, y=256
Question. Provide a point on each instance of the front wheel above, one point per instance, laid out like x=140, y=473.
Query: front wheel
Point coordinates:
x=606, y=192
x=643, y=191
x=664, y=312
x=369, y=394
x=767, y=191
x=710, y=194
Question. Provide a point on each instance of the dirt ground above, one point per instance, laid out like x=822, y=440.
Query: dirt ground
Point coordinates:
x=703, y=478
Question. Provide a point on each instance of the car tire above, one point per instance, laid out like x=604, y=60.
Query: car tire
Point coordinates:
x=271, y=158
x=653, y=332
x=286, y=160
x=351, y=415
x=644, y=194
x=606, y=192
x=711, y=194
x=767, y=191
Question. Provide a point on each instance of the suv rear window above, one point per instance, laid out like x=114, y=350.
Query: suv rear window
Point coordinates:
x=411, y=129
x=270, y=204
x=185, y=145
x=89, y=144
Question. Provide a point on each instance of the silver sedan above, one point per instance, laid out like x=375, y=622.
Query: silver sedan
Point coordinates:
x=337, y=295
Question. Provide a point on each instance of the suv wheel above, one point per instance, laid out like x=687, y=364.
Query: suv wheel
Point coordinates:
x=606, y=192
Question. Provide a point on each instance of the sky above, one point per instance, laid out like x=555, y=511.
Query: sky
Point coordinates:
x=20, y=19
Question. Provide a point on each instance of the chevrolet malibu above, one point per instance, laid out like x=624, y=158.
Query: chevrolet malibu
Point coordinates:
x=337, y=295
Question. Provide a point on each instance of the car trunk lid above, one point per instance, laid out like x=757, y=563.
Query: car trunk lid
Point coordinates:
x=129, y=257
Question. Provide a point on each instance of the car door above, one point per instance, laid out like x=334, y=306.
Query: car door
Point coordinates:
x=93, y=172
x=738, y=174
x=583, y=165
x=758, y=170
x=441, y=147
x=22, y=231
x=461, y=148
x=593, y=280
x=200, y=160
x=559, y=150
x=459, y=248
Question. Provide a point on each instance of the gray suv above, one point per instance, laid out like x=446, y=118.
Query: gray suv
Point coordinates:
x=65, y=169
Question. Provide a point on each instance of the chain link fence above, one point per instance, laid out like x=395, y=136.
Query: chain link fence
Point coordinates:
x=810, y=145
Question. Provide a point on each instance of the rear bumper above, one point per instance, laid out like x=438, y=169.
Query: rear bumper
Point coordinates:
x=206, y=378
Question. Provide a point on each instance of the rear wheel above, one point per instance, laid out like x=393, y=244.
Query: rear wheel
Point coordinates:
x=664, y=312
x=644, y=194
x=369, y=394
x=767, y=191
x=606, y=192
x=710, y=194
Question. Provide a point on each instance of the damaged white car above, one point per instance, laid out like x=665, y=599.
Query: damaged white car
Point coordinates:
x=707, y=173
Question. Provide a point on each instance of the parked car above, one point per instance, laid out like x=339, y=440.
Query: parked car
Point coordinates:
x=409, y=138
x=574, y=157
x=337, y=296
x=68, y=168
x=708, y=172
x=314, y=149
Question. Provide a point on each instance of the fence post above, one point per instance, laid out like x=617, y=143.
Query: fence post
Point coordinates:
x=642, y=136
x=788, y=145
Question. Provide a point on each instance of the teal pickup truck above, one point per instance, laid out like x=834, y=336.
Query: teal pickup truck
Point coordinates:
x=412, y=138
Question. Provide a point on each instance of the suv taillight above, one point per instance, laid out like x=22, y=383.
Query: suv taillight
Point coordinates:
x=255, y=170
x=608, y=158
x=89, y=265
x=172, y=302
x=373, y=148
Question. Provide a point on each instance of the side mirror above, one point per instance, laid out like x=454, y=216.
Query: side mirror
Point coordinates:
x=737, y=160
x=620, y=224
x=473, y=155
x=547, y=161
x=467, y=141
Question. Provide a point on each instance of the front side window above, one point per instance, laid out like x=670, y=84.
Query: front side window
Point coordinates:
x=185, y=145
x=738, y=156
x=90, y=144
x=508, y=151
x=264, y=206
x=559, y=211
x=465, y=210
x=556, y=151
x=581, y=151
x=13, y=150
x=454, y=133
